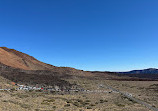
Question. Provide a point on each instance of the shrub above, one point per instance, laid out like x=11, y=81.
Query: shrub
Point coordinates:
x=120, y=105
x=50, y=100
x=5, y=101
x=66, y=105
x=92, y=104
x=45, y=103
x=54, y=107
x=68, y=101
x=22, y=95
x=24, y=105
x=87, y=101
x=89, y=107
x=76, y=104
x=101, y=101
x=79, y=100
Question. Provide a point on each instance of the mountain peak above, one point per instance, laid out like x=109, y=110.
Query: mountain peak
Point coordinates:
x=151, y=69
x=17, y=59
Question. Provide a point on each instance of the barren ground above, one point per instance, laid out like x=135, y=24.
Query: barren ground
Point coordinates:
x=79, y=101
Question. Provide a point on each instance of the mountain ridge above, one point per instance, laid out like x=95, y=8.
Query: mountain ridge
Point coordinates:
x=142, y=71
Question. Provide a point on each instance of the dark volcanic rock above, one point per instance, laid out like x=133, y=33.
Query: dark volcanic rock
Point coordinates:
x=31, y=77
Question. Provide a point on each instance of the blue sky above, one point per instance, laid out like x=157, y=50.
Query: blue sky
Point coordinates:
x=105, y=35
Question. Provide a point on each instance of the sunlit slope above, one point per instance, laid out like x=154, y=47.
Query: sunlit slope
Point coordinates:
x=20, y=60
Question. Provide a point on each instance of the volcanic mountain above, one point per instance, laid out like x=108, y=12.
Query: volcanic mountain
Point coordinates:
x=22, y=68
x=13, y=59
x=16, y=59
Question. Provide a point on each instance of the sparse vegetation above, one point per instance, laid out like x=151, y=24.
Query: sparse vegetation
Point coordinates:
x=88, y=107
x=119, y=104
x=102, y=101
x=41, y=101
x=49, y=100
x=66, y=105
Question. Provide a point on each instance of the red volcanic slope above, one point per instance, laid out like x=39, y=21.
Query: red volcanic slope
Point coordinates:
x=16, y=59
x=13, y=58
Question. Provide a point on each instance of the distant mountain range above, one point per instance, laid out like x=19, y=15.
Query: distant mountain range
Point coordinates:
x=144, y=71
x=151, y=73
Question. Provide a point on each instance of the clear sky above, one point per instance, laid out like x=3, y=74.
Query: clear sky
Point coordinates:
x=105, y=35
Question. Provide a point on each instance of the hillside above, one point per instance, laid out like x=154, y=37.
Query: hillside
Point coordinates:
x=20, y=60
x=17, y=59
x=22, y=68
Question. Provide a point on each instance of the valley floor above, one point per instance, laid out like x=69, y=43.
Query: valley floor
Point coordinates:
x=84, y=101
x=39, y=101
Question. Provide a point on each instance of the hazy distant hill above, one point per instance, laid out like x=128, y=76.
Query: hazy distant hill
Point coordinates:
x=150, y=73
x=144, y=71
